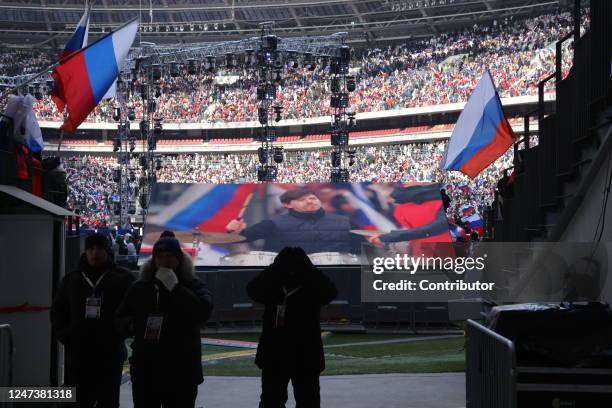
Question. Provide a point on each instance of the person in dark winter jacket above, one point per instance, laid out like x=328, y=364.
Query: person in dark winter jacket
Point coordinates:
x=164, y=311
x=290, y=347
x=82, y=316
x=305, y=225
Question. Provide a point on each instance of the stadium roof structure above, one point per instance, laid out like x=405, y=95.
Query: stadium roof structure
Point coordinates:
x=48, y=23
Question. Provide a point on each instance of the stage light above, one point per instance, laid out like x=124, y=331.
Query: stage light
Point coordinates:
x=270, y=43
x=262, y=114
x=266, y=173
x=352, y=122
x=152, y=142
x=335, y=84
x=339, y=138
x=143, y=92
x=278, y=155
x=230, y=60
x=209, y=65
x=345, y=58
x=131, y=114
x=37, y=91
x=336, y=159
x=156, y=72
x=270, y=93
x=157, y=127
x=152, y=106
x=174, y=69
x=116, y=113
x=249, y=58
x=351, y=155
x=339, y=100
x=267, y=134
x=144, y=127
x=262, y=154
x=309, y=61
x=350, y=83
x=192, y=67
x=339, y=175
x=334, y=66
x=277, y=113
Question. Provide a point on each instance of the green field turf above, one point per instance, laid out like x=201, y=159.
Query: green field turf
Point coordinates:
x=426, y=356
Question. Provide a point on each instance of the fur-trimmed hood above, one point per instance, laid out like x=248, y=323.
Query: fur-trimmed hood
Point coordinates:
x=185, y=271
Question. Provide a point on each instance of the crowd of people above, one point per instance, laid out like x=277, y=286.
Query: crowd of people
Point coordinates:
x=92, y=189
x=439, y=70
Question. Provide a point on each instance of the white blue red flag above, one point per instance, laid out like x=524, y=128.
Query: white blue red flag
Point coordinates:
x=79, y=37
x=482, y=133
x=84, y=77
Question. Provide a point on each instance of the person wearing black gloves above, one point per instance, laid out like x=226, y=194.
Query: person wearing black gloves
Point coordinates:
x=164, y=311
x=82, y=316
x=290, y=347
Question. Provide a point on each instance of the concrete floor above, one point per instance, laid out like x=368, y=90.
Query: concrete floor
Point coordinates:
x=445, y=390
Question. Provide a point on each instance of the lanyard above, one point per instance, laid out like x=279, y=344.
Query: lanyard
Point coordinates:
x=156, y=297
x=93, y=287
x=287, y=294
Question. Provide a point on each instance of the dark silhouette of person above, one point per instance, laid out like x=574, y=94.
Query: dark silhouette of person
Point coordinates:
x=82, y=315
x=164, y=311
x=290, y=347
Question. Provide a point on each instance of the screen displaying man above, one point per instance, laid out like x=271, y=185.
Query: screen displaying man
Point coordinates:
x=305, y=225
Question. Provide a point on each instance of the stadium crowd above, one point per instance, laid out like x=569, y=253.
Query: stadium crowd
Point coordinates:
x=91, y=185
x=440, y=70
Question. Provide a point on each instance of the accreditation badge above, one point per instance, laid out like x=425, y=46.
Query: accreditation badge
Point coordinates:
x=280, y=315
x=154, y=326
x=93, y=307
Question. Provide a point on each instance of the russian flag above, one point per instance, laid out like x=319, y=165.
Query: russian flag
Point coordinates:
x=482, y=133
x=79, y=37
x=475, y=223
x=207, y=207
x=84, y=77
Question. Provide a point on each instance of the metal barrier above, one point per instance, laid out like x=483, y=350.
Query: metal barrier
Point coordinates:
x=6, y=356
x=490, y=369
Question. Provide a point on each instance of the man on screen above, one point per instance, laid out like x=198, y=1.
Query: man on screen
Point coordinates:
x=305, y=225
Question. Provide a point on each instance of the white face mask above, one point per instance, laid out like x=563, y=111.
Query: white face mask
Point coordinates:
x=163, y=269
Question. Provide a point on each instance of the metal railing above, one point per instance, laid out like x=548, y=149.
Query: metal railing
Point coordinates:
x=6, y=356
x=490, y=369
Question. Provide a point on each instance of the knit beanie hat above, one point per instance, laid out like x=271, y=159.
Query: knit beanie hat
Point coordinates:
x=168, y=244
x=97, y=239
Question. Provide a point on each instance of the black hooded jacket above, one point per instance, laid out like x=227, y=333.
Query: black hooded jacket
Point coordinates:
x=297, y=345
x=177, y=355
x=90, y=340
x=314, y=232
